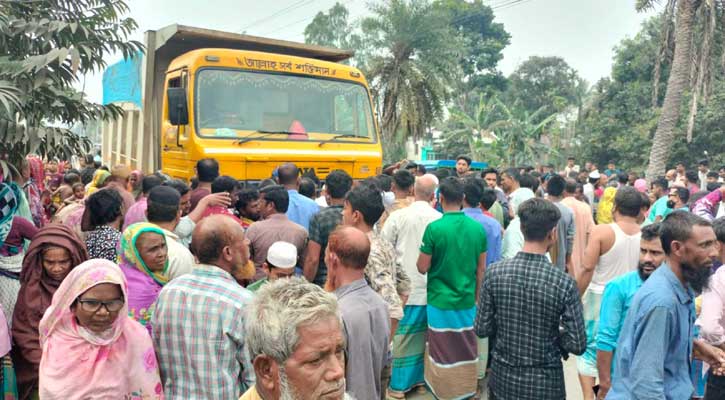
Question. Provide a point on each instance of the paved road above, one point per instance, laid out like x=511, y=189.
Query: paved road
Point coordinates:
x=573, y=391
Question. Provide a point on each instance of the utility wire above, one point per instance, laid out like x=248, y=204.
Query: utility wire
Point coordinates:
x=277, y=13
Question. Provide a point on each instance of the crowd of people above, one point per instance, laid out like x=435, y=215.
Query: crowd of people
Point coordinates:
x=120, y=285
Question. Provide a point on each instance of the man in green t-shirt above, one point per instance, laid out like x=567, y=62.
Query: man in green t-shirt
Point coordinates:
x=280, y=263
x=453, y=255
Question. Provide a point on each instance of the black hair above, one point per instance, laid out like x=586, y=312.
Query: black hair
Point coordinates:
x=683, y=194
x=277, y=195
x=421, y=169
x=473, y=191
x=451, y=189
x=266, y=182
x=488, y=197
x=529, y=181
x=442, y=173
x=513, y=173
x=628, y=201
x=149, y=182
x=225, y=183
x=246, y=196
x=77, y=184
x=179, y=185
x=104, y=206
x=691, y=176
x=538, y=217
x=645, y=201
x=704, y=162
x=556, y=186
x=163, y=204
x=622, y=178
x=719, y=226
x=713, y=186
x=384, y=182
x=308, y=188
x=367, y=201
x=610, y=162
x=678, y=226
x=287, y=174
x=712, y=174
x=403, y=179
x=194, y=183
x=661, y=182
x=467, y=159
x=651, y=232
x=338, y=183
x=489, y=171
x=70, y=178
x=207, y=169
x=88, y=159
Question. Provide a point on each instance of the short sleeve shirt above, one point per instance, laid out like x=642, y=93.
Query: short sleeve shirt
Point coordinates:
x=321, y=225
x=454, y=243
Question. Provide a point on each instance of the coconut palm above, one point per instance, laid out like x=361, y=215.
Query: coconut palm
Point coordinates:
x=691, y=67
x=414, y=67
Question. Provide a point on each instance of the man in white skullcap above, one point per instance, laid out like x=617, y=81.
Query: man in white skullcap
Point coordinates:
x=280, y=263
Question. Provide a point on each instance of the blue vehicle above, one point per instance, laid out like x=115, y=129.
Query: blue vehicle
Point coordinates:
x=432, y=165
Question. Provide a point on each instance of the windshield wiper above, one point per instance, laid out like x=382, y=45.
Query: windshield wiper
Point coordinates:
x=332, y=139
x=263, y=135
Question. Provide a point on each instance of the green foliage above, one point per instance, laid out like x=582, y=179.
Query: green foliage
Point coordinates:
x=413, y=69
x=46, y=46
x=334, y=29
x=619, y=121
x=483, y=43
x=547, y=82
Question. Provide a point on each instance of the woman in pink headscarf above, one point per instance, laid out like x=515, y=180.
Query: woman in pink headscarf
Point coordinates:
x=641, y=185
x=91, y=348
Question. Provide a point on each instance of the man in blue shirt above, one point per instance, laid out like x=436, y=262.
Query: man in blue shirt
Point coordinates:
x=616, y=300
x=301, y=209
x=659, y=210
x=656, y=342
x=472, y=194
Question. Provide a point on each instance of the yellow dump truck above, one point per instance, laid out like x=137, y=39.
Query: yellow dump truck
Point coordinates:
x=252, y=103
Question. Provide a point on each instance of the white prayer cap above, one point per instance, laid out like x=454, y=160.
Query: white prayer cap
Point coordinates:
x=282, y=255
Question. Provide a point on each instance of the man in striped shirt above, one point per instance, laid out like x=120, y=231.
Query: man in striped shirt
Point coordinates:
x=199, y=319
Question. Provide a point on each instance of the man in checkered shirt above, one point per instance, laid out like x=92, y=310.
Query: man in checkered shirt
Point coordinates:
x=199, y=319
x=531, y=313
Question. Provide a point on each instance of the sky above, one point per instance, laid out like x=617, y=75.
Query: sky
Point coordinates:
x=582, y=32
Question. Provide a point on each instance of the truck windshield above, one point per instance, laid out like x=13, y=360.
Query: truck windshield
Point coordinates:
x=238, y=104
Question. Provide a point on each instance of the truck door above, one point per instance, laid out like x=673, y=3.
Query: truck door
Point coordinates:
x=175, y=137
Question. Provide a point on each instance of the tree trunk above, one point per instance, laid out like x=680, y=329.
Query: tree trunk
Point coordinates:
x=676, y=85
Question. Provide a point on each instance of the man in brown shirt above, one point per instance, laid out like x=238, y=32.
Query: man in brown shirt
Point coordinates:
x=275, y=227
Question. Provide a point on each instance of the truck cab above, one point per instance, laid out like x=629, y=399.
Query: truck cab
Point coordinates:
x=252, y=103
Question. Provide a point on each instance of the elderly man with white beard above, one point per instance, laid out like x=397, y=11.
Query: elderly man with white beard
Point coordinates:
x=296, y=342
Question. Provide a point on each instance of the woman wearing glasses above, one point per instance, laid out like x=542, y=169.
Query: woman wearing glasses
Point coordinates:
x=91, y=348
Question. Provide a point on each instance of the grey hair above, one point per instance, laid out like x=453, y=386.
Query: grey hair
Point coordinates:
x=279, y=309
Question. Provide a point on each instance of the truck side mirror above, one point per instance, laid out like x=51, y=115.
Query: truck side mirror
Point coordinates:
x=178, y=111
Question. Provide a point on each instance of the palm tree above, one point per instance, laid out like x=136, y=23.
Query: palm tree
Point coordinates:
x=414, y=67
x=520, y=139
x=686, y=70
x=477, y=128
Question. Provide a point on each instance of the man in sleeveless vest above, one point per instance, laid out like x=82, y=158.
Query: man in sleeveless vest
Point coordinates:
x=613, y=250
